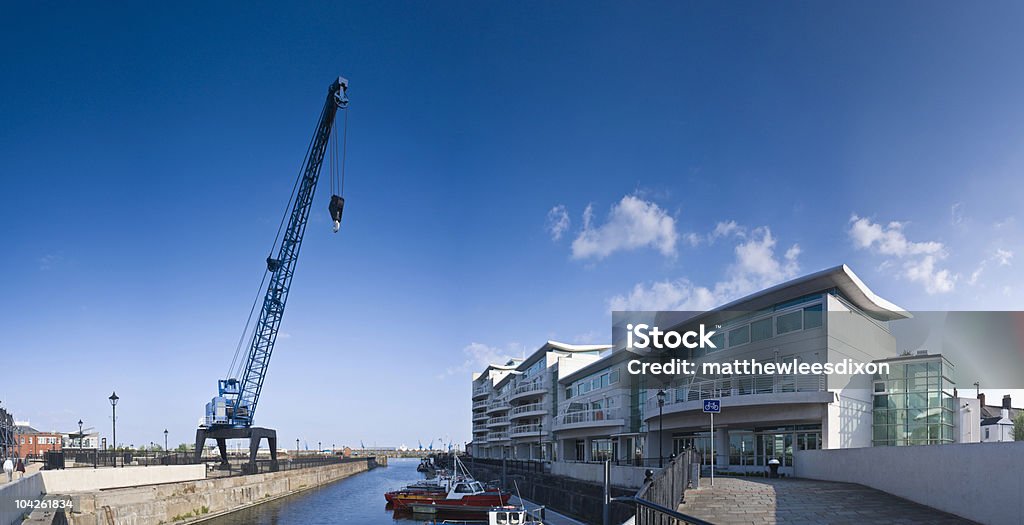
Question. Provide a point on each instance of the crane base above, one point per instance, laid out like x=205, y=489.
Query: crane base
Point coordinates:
x=254, y=434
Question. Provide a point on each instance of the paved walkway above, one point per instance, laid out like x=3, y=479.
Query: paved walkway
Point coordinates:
x=735, y=501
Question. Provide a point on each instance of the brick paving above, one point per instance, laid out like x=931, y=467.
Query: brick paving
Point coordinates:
x=746, y=501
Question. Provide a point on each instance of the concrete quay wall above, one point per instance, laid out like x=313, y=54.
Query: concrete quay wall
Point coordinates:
x=192, y=501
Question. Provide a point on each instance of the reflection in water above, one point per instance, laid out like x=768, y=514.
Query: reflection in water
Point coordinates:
x=358, y=500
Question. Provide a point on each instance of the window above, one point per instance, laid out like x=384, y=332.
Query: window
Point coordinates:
x=739, y=336
x=790, y=322
x=718, y=340
x=568, y=393
x=813, y=316
x=761, y=330
x=986, y=433
x=614, y=377
x=879, y=387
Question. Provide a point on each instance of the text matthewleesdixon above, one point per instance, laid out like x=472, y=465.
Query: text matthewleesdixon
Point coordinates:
x=642, y=336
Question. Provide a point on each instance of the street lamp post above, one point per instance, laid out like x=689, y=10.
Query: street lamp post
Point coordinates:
x=113, y=421
x=296, y=447
x=661, y=425
x=165, y=441
x=79, y=435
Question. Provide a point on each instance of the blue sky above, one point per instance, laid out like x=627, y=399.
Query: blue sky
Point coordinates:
x=515, y=171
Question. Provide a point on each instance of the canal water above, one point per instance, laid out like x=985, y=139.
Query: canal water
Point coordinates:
x=357, y=500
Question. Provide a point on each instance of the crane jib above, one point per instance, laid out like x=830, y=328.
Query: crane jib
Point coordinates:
x=239, y=398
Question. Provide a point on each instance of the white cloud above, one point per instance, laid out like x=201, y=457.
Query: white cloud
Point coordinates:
x=725, y=229
x=889, y=240
x=934, y=280
x=632, y=223
x=558, y=222
x=1003, y=256
x=479, y=355
x=755, y=267
x=920, y=258
x=956, y=213
x=693, y=239
x=1000, y=256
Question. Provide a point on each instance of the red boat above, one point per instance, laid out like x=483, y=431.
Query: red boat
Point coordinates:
x=466, y=493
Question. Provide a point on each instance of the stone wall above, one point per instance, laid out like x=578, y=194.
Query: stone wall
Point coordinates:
x=579, y=499
x=191, y=501
x=28, y=488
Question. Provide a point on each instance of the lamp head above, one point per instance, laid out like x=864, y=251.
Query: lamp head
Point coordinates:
x=113, y=399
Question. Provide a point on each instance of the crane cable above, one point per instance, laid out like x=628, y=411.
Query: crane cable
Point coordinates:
x=233, y=370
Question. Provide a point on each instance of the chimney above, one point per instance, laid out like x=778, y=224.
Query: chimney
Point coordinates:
x=981, y=397
x=1006, y=401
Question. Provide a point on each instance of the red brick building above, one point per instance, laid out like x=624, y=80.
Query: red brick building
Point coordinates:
x=32, y=442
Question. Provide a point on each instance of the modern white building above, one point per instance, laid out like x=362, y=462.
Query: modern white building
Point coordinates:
x=514, y=403
x=595, y=409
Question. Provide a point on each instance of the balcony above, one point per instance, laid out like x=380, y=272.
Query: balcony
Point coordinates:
x=601, y=417
x=536, y=388
x=738, y=386
x=481, y=392
x=480, y=416
x=526, y=431
x=497, y=406
x=497, y=422
x=497, y=436
x=531, y=410
x=477, y=405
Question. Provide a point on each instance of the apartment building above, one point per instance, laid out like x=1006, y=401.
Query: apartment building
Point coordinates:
x=514, y=404
x=597, y=410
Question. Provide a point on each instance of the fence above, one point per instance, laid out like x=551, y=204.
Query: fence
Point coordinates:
x=237, y=464
x=511, y=465
x=657, y=501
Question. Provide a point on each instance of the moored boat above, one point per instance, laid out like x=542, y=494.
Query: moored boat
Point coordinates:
x=464, y=493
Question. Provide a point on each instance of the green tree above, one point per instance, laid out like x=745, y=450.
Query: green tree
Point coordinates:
x=1018, y=426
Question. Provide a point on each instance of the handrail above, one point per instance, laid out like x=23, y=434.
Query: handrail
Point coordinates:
x=696, y=390
x=640, y=502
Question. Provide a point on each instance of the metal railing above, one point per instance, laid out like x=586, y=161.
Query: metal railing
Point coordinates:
x=497, y=436
x=496, y=406
x=512, y=465
x=480, y=404
x=657, y=501
x=532, y=407
x=531, y=387
x=742, y=386
x=587, y=416
x=526, y=429
x=497, y=421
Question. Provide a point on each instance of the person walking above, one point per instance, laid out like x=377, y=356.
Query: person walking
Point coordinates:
x=20, y=467
x=9, y=469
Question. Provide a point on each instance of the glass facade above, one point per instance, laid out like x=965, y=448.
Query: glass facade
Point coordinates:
x=913, y=403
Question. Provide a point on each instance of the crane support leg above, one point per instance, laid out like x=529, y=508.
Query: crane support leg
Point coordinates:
x=254, y=434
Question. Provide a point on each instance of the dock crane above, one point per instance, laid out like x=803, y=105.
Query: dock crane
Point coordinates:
x=230, y=414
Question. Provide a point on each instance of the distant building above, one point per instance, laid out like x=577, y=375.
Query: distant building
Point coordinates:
x=515, y=405
x=85, y=441
x=32, y=442
x=997, y=421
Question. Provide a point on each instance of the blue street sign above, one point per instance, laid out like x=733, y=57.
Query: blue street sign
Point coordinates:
x=713, y=405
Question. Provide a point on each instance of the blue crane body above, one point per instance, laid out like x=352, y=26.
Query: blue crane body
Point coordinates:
x=230, y=414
